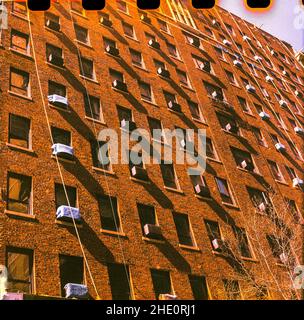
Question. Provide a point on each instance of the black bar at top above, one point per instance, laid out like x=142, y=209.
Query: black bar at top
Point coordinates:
x=42, y=5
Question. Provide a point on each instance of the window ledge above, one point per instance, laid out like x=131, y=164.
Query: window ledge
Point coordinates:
x=153, y=240
x=179, y=113
x=152, y=103
x=69, y=224
x=120, y=91
x=53, y=106
x=88, y=79
x=129, y=37
x=174, y=190
x=87, y=45
x=176, y=58
x=114, y=233
x=200, y=121
x=249, y=114
x=55, y=66
x=95, y=121
x=126, y=13
x=214, y=160
x=26, y=55
x=13, y=146
x=191, y=248
x=19, y=15
x=112, y=173
x=203, y=198
x=20, y=215
x=79, y=14
x=49, y=29
x=20, y=95
x=230, y=205
x=282, y=182
x=187, y=87
x=140, y=68
x=140, y=181
x=249, y=259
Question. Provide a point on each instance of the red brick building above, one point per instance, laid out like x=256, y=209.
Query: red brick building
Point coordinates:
x=66, y=74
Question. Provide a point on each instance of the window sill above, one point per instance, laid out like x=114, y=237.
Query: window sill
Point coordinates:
x=120, y=91
x=79, y=14
x=20, y=15
x=49, y=29
x=69, y=224
x=249, y=259
x=174, y=190
x=20, y=95
x=187, y=87
x=114, y=233
x=55, y=66
x=100, y=170
x=153, y=240
x=140, y=68
x=203, y=198
x=249, y=114
x=95, y=121
x=231, y=133
x=214, y=160
x=140, y=181
x=176, y=58
x=14, y=214
x=131, y=38
x=63, y=109
x=190, y=248
x=282, y=182
x=200, y=121
x=60, y=159
x=13, y=146
x=150, y=102
x=89, y=79
x=126, y=13
x=25, y=55
x=87, y=45
x=230, y=205
x=176, y=112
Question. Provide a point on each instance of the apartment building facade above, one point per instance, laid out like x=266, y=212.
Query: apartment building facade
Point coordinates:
x=143, y=231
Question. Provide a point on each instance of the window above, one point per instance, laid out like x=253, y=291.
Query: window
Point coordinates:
x=223, y=188
x=19, y=263
x=82, y=34
x=19, y=193
x=213, y=231
x=116, y=75
x=209, y=32
x=181, y=13
x=87, y=68
x=19, y=131
x=243, y=159
x=253, y=69
x=109, y=43
x=119, y=277
x=145, y=91
x=228, y=124
x=243, y=242
x=244, y=105
x=232, y=289
x=54, y=55
x=150, y=36
x=294, y=150
x=61, y=136
x=183, y=228
x=163, y=26
x=169, y=97
x=147, y=215
x=259, y=136
x=109, y=216
x=231, y=77
x=173, y=52
x=169, y=176
x=276, y=246
x=259, y=199
x=19, y=8
x=275, y=170
x=183, y=78
x=76, y=6
x=210, y=150
x=128, y=30
x=156, y=129
x=274, y=138
x=92, y=107
x=214, y=91
x=292, y=207
x=52, y=21
x=202, y=64
x=220, y=53
x=230, y=29
x=57, y=89
x=199, y=287
x=71, y=271
x=192, y=40
x=19, y=82
x=195, y=110
x=100, y=155
x=159, y=64
x=61, y=198
x=137, y=58
x=161, y=282
x=20, y=42
x=124, y=114
x=122, y=6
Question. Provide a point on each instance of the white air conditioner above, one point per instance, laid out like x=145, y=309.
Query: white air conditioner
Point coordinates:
x=152, y=231
x=299, y=131
x=214, y=95
x=273, y=53
x=215, y=22
x=283, y=103
x=217, y=244
x=298, y=93
x=227, y=42
x=74, y=290
x=258, y=58
x=167, y=296
x=228, y=127
x=246, y=38
x=262, y=206
x=269, y=78
x=280, y=147
x=244, y=164
x=237, y=63
x=283, y=258
x=264, y=115
x=61, y=150
x=57, y=99
x=250, y=88
x=297, y=182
